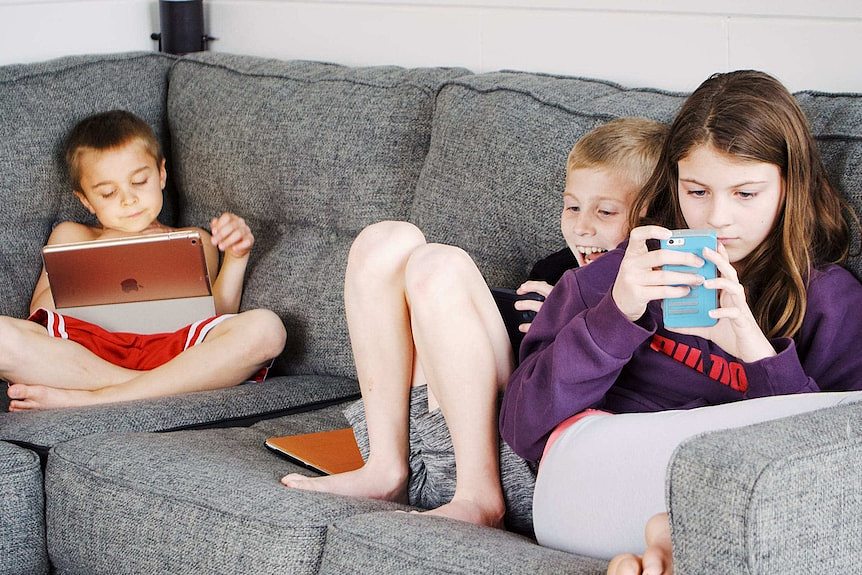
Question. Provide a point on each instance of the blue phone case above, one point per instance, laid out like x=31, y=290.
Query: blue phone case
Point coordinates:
x=693, y=309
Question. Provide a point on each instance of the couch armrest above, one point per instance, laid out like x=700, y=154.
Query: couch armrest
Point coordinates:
x=783, y=496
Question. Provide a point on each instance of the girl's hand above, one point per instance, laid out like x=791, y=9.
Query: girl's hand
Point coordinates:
x=541, y=288
x=737, y=331
x=640, y=278
x=232, y=235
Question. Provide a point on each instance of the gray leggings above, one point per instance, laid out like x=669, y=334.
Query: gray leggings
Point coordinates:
x=604, y=477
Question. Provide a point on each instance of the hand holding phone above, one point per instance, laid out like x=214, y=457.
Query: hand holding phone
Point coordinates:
x=691, y=310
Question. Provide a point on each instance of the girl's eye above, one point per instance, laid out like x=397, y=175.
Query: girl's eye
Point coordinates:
x=107, y=195
x=697, y=193
x=574, y=208
x=141, y=183
x=746, y=195
x=606, y=213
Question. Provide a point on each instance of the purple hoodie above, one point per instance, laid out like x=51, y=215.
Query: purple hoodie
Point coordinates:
x=582, y=352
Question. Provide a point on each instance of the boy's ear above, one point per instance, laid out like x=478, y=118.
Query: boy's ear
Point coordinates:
x=163, y=174
x=83, y=199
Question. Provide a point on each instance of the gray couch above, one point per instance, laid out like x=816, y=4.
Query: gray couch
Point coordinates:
x=309, y=154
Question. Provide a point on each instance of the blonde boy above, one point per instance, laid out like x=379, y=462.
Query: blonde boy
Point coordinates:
x=118, y=173
x=426, y=334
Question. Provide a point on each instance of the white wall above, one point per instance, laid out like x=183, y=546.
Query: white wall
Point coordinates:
x=671, y=44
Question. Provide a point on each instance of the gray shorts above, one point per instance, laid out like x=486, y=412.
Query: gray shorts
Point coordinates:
x=432, y=462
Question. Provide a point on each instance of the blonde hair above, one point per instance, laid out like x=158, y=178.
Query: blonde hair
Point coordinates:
x=107, y=131
x=751, y=115
x=627, y=146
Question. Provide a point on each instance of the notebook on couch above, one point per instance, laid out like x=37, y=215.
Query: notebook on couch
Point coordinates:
x=326, y=452
x=153, y=283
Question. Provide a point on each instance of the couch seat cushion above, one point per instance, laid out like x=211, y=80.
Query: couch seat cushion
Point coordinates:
x=201, y=501
x=22, y=520
x=407, y=543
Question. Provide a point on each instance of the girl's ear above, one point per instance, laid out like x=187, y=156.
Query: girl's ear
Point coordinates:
x=163, y=174
x=83, y=199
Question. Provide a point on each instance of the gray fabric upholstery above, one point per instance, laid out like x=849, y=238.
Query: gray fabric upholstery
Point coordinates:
x=494, y=177
x=403, y=544
x=22, y=522
x=48, y=428
x=836, y=121
x=308, y=154
x=778, y=497
x=39, y=103
x=185, y=502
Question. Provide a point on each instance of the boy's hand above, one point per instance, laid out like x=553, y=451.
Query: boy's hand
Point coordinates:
x=232, y=235
x=541, y=288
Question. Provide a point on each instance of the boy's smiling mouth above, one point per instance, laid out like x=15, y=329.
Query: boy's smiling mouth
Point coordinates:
x=590, y=253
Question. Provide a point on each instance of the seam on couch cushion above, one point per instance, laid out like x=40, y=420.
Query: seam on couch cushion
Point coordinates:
x=75, y=65
x=428, y=90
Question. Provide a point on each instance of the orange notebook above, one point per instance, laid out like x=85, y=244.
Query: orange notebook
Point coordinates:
x=326, y=452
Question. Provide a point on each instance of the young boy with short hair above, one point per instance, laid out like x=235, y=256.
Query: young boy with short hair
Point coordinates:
x=118, y=173
x=426, y=333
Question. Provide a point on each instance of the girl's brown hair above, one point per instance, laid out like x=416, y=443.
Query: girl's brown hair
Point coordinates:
x=751, y=115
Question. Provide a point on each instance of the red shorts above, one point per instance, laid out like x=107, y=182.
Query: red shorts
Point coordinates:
x=140, y=352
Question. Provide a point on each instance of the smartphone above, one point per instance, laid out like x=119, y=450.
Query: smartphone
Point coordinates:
x=693, y=309
x=505, y=299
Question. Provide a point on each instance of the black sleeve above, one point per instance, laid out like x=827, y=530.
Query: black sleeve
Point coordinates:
x=552, y=268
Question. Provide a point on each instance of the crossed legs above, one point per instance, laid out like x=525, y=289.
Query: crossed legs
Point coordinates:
x=46, y=372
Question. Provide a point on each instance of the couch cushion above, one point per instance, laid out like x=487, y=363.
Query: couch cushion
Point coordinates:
x=495, y=172
x=238, y=405
x=204, y=501
x=22, y=521
x=782, y=496
x=39, y=104
x=308, y=154
x=836, y=121
x=493, y=180
x=405, y=543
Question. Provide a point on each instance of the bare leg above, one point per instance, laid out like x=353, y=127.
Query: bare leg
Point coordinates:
x=658, y=557
x=28, y=355
x=466, y=357
x=232, y=351
x=382, y=341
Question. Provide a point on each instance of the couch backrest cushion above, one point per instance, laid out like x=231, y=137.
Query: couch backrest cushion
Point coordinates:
x=836, y=121
x=308, y=154
x=493, y=180
x=497, y=160
x=39, y=103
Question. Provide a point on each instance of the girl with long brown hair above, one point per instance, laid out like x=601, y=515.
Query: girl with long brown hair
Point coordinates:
x=739, y=160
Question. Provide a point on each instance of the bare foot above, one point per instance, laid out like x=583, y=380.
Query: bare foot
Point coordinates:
x=658, y=557
x=36, y=397
x=388, y=485
x=462, y=509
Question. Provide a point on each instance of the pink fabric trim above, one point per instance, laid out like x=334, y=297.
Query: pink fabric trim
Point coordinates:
x=567, y=423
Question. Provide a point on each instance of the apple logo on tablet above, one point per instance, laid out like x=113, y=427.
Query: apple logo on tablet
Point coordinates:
x=130, y=285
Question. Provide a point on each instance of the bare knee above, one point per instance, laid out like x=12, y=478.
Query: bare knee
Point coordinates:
x=382, y=248
x=13, y=339
x=437, y=273
x=264, y=334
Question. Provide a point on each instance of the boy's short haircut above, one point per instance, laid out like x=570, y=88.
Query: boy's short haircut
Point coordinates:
x=105, y=131
x=629, y=146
